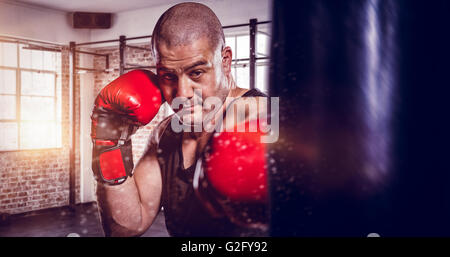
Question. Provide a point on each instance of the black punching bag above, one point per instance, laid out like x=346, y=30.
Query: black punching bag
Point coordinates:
x=363, y=137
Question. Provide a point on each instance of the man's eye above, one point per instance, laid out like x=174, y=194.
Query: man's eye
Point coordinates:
x=169, y=77
x=196, y=74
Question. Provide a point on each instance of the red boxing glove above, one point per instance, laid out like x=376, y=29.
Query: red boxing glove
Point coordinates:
x=129, y=101
x=236, y=167
x=232, y=179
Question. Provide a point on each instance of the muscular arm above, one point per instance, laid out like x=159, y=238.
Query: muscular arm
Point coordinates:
x=130, y=208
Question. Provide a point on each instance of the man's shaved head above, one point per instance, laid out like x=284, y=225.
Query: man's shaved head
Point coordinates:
x=184, y=23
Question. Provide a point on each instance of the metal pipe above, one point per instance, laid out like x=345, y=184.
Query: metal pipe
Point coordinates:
x=253, y=28
x=263, y=22
x=264, y=33
x=235, y=26
x=111, y=41
x=107, y=63
x=248, y=59
x=139, y=48
x=73, y=131
x=91, y=53
x=149, y=36
x=97, y=42
x=141, y=37
x=122, y=41
x=244, y=24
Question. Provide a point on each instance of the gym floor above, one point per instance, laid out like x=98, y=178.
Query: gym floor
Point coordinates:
x=83, y=221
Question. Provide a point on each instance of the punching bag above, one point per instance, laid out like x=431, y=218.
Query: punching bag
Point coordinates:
x=362, y=142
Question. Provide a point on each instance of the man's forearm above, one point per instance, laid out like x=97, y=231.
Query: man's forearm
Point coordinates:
x=120, y=209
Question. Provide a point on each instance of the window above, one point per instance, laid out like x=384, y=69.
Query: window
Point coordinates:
x=30, y=98
x=240, y=45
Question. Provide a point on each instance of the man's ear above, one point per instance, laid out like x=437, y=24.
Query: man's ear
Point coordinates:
x=227, y=58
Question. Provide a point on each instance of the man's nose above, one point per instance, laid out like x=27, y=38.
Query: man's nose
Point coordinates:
x=185, y=88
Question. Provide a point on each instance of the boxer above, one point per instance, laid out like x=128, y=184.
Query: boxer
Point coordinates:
x=193, y=65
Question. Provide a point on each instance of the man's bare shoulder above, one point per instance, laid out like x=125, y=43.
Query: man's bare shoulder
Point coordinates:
x=156, y=135
x=159, y=130
x=252, y=106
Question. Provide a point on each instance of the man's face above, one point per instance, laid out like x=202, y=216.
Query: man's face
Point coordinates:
x=189, y=74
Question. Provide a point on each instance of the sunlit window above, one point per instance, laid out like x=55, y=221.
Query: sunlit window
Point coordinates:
x=30, y=98
x=240, y=45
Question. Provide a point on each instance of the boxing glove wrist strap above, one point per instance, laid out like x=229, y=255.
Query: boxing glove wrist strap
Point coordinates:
x=112, y=160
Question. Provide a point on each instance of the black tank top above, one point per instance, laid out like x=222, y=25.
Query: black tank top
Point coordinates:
x=185, y=215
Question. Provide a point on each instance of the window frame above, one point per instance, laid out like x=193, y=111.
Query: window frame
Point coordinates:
x=18, y=119
x=245, y=63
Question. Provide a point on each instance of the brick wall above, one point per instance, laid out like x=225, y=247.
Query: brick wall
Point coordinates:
x=38, y=179
x=131, y=56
